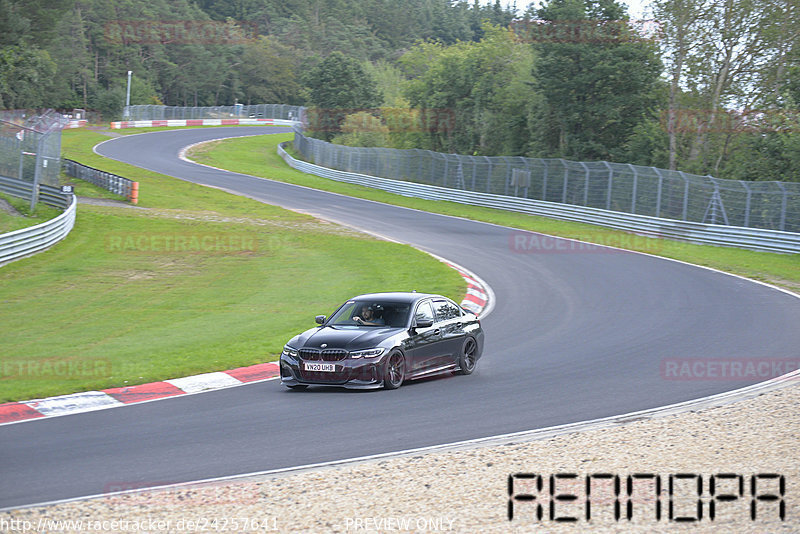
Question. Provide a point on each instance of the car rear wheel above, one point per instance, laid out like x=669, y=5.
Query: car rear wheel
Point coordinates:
x=395, y=371
x=468, y=357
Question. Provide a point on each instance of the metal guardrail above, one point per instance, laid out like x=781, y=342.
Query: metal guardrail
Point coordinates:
x=255, y=111
x=26, y=241
x=108, y=181
x=52, y=196
x=693, y=232
x=622, y=187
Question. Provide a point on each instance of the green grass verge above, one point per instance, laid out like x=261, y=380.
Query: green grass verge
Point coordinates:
x=107, y=130
x=83, y=188
x=258, y=156
x=202, y=281
x=129, y=131
x=25, y=218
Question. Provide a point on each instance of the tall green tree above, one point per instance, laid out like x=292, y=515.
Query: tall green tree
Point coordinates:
x=725, y=59
x=597, y=77
x=478, y=94
x=268, y=73
x=338, y=86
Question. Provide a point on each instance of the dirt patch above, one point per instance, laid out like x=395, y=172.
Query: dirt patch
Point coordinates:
x=107, y=202
x=6, y=207
x=103, y=130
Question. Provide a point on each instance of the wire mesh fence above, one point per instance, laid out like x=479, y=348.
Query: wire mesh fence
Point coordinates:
x=259, y=111
x=108, y=181
x=612, y=186
x=30, y=147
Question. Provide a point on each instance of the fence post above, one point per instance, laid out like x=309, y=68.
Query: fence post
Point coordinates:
x=544, y=179
x=746, y=202
x=566, y=174
x=635, y=186
x=21, y=157
x=474, y=171
x=489, y=175
x=782, y=225
x=610, y=184
x=586, y=184
x=685, y=194
x=508, y=174
x=658, y=193
x=37, y=173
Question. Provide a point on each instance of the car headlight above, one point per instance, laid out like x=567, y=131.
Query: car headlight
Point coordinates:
x=289, y=351
x=369, y=353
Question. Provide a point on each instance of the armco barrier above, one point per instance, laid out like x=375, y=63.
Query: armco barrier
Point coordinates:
x=52, y=196
x=108, y=181
x=200, y=122
x=711, y=234
x=27, y=241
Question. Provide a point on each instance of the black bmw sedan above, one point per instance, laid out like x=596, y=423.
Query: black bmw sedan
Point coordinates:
x=383, y=339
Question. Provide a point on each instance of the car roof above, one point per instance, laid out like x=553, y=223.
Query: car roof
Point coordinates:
x=396, y=296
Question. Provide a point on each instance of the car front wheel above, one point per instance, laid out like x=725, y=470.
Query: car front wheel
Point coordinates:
x=395, y=371
x=468, y=357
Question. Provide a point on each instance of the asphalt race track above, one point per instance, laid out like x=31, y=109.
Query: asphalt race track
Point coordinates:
x=575, y=335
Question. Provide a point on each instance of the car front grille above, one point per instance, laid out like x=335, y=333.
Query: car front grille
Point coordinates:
x=338, y=377
x=334, y=355
x=310, y=354
x=328, y=355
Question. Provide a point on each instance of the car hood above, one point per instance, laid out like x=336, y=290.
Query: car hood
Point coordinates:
x=344, y=338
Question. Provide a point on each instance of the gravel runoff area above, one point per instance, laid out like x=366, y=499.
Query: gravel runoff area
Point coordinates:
x=467, y=490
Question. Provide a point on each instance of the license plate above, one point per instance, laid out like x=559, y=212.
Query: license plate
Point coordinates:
x=327, y=367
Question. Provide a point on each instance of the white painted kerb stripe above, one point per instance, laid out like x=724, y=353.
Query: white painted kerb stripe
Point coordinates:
x=195, y=384
x=476, y=293
x=74, y=403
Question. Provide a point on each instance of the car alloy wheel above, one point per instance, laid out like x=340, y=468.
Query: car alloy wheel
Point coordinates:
x=395, y=370
x=466, y=362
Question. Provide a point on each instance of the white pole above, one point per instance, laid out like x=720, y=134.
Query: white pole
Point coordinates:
x=128, y=95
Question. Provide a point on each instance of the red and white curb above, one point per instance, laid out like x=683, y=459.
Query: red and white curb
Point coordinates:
x=87, y=401
x=76, y=123
x=478, y=300
x=199, y=122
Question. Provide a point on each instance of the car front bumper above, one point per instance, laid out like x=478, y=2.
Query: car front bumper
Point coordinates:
x=359, y=373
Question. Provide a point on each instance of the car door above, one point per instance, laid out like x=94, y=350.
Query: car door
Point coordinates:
x=451, y=328
x=424, y=344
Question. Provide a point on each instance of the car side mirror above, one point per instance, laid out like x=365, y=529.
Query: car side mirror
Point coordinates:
x=320, y=319
x=423, y=323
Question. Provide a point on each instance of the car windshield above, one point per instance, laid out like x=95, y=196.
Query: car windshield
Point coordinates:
x=371, y=313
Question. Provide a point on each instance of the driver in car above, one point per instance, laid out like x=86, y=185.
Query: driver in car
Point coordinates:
x=368, y=317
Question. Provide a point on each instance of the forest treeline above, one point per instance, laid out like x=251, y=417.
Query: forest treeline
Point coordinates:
x=706, y=86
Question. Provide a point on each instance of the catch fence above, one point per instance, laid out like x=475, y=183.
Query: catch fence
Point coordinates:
x=108, y=181
x=30, y=149
x=239, y=111
x=618, y=187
